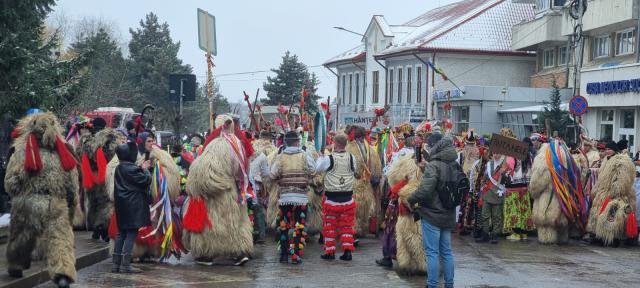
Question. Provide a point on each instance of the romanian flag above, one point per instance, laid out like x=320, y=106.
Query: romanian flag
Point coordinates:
x=438, y=70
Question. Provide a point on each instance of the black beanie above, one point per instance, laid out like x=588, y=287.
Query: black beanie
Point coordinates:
x=433, y=139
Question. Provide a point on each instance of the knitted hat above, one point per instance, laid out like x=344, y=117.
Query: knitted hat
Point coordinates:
x=433, y=139
x=612, y=145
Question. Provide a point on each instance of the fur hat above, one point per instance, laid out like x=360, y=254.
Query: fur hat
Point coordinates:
x=623, y=144
x=612, y=145
x=98, y=124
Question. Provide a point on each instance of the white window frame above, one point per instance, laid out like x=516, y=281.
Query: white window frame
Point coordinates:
x=553, y=58
x=630, y=46
x=565, y=55
x=357, y=79
x=400, y=76
x=607, y=122
x=419, y=83
x=596, y=43
x=375, y=96
x=391, y=81
x=542, y=5
x=408, y=95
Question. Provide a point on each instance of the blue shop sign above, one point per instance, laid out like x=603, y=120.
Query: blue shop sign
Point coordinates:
x=442, y=95
x=610, y=87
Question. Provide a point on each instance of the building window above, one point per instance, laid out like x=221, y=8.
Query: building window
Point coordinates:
x=548, y=58
x=606, y=125
x=463, y=118
x=625, y=41
x=390, y=86
x=601, y=46
x=350, y=88
x=628, y=117
x=542, y=5
x=419, y=84
x=357, y=88
x=399, y=85
x=409, y=82
x=344, y=90
x=563, y=55
x=376, y=86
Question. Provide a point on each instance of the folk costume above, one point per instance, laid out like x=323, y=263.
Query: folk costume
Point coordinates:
x=517, y=218
x=492, y=194
x=366, y=187
x=215, y=221
x=293, y=169
x=339, y=207
x=470, y=216
x=42, y=180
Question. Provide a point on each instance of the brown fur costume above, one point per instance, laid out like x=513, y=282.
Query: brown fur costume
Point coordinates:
x=212, y=177
x=553, y=226
x=364, y=193
x=42, y=202
x=410, y=250
x=616, y=183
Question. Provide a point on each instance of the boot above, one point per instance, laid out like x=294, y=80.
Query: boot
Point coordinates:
x=494, y=239
x=328, y=256
x=346, y=256
x=62, y=281
x=15, y=273
x=284, y=258
x=484, y=238
x=241, y=260
x=117, y=261
x=126, y=265
x=385, y=262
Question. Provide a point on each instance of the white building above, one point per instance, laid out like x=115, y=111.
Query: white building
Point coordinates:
x=470, y=41
x=609, y=78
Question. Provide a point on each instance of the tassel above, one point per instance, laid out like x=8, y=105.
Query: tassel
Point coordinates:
x=604, y=205
x=87, y=176
x=32, y=161
x=215, y=134
x=188, y=157
x=352, y=134
x=66, y=158
x=113, y=226
x=246, y=143
x=397, y=187
x=101, y=160
x=196, y=217
x=632, y=226
x=15, y=133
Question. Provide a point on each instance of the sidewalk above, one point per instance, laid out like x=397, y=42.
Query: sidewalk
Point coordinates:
x=88, y=252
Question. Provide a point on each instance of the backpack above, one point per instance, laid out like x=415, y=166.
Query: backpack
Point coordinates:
x=453, y=186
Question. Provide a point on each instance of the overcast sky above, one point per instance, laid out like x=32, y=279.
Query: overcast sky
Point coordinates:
x=253, y=35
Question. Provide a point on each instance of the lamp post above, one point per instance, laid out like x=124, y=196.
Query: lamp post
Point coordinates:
x=347, y=30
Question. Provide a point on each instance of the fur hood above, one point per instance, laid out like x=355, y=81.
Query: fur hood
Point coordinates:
x=44, y=126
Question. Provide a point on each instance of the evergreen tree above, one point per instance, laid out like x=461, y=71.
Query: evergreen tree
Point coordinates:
x=106, y=84
x=154, y=56
x=32, y=73
x=557, y=118
x=286, y=87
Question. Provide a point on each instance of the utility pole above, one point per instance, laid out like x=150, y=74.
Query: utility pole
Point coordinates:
x=576, y=11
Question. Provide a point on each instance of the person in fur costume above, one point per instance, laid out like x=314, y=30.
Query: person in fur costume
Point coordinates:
x=365, y=188
x=96, y=151
x=612, y=217
x=216, y=223
x=558, y=203
x=42, y=180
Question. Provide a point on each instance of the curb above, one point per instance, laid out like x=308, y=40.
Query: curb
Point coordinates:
x=42, y=276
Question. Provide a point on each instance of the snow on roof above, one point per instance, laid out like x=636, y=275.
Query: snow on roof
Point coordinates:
x=384, y=26
x=535, y=108
x=348, y=55
x=468, y=24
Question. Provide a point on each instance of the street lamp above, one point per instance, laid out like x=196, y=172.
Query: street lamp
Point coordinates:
x=347, y=30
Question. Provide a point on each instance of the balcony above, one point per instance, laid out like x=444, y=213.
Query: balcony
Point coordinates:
x=544, y=28
x=604, y=13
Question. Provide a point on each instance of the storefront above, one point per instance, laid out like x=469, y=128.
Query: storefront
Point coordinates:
x=614, y=101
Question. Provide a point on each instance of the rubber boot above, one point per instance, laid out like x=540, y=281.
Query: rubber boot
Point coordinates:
x=346, y=256
x=385, y=262
x=126, y=265
x=117, y=261
x=484, y=238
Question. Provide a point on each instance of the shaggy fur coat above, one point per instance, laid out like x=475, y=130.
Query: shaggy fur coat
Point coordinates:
x=42, y=202
x=212, y=177
x=607, y=219
x=365, y=194
x=410, y=250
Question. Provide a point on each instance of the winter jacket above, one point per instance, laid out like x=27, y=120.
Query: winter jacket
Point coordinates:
x=426, y=196
x=131, y=190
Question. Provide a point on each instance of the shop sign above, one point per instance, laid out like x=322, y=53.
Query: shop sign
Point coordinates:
x=610, y=87
x=442, y=94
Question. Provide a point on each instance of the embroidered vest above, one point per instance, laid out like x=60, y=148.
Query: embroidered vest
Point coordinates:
x=341, y=175
x=293, y=172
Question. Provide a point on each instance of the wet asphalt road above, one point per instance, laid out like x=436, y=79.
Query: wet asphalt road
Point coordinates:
x=507, y=264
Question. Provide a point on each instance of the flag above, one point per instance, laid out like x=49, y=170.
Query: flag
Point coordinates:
x=438, y=70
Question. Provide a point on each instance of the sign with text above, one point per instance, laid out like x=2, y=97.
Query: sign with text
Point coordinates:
x=610, y=87
x=508, y=146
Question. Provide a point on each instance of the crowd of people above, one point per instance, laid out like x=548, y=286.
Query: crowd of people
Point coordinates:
x=218, y=195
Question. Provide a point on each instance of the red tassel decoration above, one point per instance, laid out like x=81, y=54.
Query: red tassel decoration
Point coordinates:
x=15, y=133
x=196, y=218
x=396, y=188
x=187, y=157
x=66, y=158
x=246, y=143
x=87, y=175
x=604, y=205
x=352, y=135
x=113, y=226
x=215, y=134
x=32, y=161
x=632, y=226
x=101, y=160
x=148, y=240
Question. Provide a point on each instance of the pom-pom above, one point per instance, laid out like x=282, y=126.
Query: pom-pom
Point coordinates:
x=113, y=226
x=196, y=218
x=66, y=158
x=101, y=161
x=32, y=160
x=632, y=226
x=282, y=109
x=87, y=175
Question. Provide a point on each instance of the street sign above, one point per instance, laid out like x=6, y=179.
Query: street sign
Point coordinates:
x=508, y=146
x=578, y=105
x=182, y=84
x=207, y=32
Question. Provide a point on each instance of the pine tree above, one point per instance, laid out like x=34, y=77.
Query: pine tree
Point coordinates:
x=286, y=87
x=558, y=119
x=154, y=56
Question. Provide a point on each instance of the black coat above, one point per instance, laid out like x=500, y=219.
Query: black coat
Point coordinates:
x=131, y=192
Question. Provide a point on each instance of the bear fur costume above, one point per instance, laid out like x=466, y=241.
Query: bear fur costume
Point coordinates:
x=410, y=250
x=364, y=193
x=172, y=176
x=97, y=204
x=43, y=202
x=615, y=183
x=212, y=178
x=553, y=226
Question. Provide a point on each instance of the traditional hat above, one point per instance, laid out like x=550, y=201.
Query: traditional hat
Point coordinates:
x=506, y=132
x=538, y=137
x=471, y=138
x=612, y=145
x=291, y=135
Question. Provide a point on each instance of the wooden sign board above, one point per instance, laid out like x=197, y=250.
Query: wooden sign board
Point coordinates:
x=508, y=146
